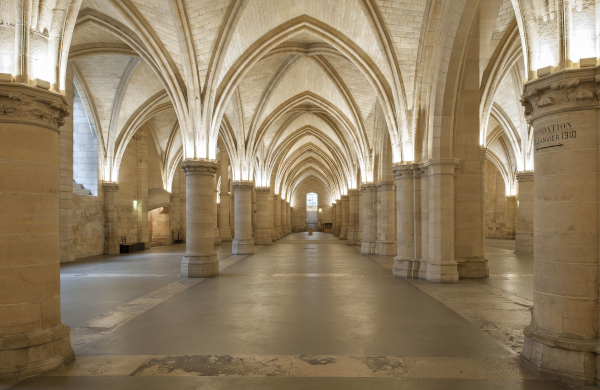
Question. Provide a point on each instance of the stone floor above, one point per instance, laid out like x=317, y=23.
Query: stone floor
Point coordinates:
x=305, y=312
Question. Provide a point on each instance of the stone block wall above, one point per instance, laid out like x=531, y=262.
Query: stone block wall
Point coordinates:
x=88, y=225
x=299, y=203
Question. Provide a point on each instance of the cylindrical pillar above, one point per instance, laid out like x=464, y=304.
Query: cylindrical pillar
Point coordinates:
x=289, y=217
x=253, y=213
x=243, y=244
x=345, y=217
x=200, y=259
x=352, y=216
x=360, y=230
x=32, y=338
x=338, y=217
x=277, y=215
x=283, y=221
x=263, y=219
x=404, y=174
x=224, y=228
x=369, y=190
x=217, y=234
x=562, y=339
x=272, y=218
x=232, y=213
x=386, y=219
x=111, y=218
x=333, y=218
x=524, y=237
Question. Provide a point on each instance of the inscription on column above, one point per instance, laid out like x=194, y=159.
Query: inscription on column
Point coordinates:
x=553, y=136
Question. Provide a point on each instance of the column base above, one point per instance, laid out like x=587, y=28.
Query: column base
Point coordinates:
x=263, y=237
x=546, y=355
x=473, y=268
x=351, y=238
x=200, y=266
x=366, y=247
x=344, y=234
x=524, y=243
x=35, y=353
x=442, y=273
x=403, y=268
x=242, y=247
x=225, y=235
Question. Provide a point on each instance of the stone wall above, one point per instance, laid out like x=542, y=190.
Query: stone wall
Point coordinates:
x=299, y=203
x=88, y=225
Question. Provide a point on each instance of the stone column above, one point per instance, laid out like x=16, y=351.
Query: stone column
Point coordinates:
x=338, y=217
x=263, y=220
x=360, y=224
x=441, y=267
x=243, y=243
x=403, y=262
x=368, y=242
x=386, y=219
x=200, y=259
x=217, y=234
x=224, y=228
x=272, y=219
x=424, y=215
x=232, y=213
x=142, y=187
x=345, y=217
x=333, y=218
x=524, y=237
x=277, y=216
x=283, y=219
x=379, y=227
x=111, y=218
x=562, y=339
x=253, y=194
x=32, y=338
x=511, y=215
x=352, y=216
x=289, y=216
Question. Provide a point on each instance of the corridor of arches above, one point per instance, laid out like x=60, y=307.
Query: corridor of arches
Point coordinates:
x=163, y=159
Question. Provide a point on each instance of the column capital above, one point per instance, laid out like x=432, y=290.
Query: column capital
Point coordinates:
x=524, y=176
x=565, y=90
x=199, y=167
x=263, y=190
x=242, y=185
x=110, y=186
x=352, y=192
x=385, y=186
x=368, y=187
x=404, y=171
x=344, y=197
x=22, y=103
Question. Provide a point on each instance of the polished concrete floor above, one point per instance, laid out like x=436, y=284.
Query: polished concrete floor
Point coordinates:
x=305, y=312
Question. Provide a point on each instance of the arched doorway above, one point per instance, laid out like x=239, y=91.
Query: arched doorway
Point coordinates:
x=312, y=210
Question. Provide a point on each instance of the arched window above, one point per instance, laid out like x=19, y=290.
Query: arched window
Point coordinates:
x=312, y=201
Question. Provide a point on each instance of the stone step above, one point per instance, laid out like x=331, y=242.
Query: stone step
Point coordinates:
x=81, y=191
x=79, y=186
x=153, y=244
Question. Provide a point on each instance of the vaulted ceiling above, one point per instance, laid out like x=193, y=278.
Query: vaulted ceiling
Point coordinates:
x=294, y=89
